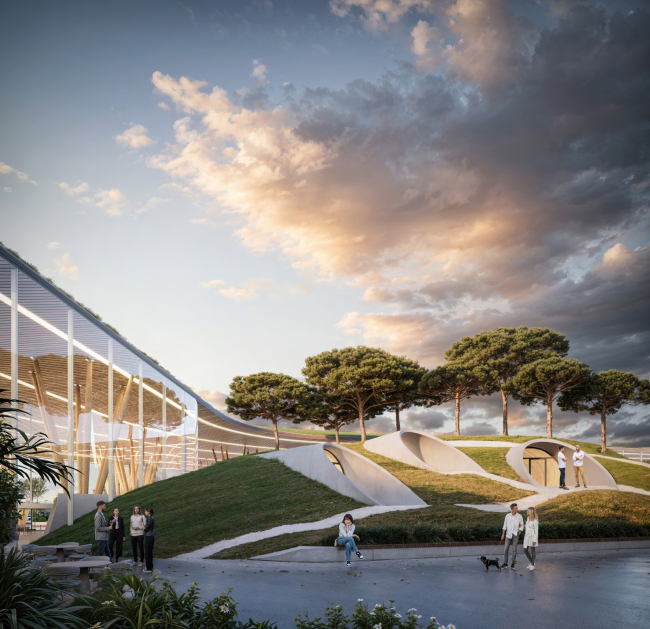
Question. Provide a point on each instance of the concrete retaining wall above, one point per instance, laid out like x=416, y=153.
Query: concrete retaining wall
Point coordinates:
x=329, y=554
x=82, y=504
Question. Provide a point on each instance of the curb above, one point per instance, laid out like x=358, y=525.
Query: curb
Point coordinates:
x=325, y=554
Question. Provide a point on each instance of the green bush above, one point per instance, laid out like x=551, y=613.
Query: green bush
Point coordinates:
x=381, y=615
x=29, y=599
x=10, y=495
x=430, y=533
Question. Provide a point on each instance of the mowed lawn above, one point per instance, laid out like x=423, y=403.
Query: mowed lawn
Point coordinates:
x=628, y=473
x=492, y=460
x=443, y=492
x=589, y=448
x=219, y=502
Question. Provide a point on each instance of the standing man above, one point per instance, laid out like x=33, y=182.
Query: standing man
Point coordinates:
x=561, y=463
x=116, y=535
x=578, y=459
x=512, y=526
x=101, y=530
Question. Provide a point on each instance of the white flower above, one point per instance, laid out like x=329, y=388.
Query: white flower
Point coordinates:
x=224, y=608
x=377, y=626
x=420, y=616
x=411, y=610
x=372, y=613
x=398, y=615
x=433, y=617
x=360, y=600
x=377, y=605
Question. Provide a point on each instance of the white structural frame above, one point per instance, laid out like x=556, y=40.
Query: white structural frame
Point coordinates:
x=596, y=474
x=361, y=479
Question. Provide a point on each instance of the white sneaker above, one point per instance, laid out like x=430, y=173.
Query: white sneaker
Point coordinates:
x=532, y=567
x=140, y=564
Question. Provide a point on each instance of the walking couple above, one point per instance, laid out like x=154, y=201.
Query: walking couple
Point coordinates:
x=512, y=527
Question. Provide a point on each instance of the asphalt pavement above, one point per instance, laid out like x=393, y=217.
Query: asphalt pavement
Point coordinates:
x=575, y=590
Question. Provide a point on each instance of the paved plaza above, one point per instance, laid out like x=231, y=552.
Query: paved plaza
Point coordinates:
x=576, y=589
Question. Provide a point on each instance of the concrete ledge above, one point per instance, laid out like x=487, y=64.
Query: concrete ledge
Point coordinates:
x=329, y=554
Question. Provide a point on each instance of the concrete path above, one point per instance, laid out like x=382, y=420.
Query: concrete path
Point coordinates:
x=481, y=444
x=594, y=589
x=613, y=458
x=335, y=520
x=548, y=494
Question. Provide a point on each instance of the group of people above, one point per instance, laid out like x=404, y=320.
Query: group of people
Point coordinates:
x=111, y=535
x=578, y=466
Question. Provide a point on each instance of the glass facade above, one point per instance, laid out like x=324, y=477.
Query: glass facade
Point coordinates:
x=108, y=410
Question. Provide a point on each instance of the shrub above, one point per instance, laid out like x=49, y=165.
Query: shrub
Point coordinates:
x=29, y=600
x=380, y=616
x=430, y=533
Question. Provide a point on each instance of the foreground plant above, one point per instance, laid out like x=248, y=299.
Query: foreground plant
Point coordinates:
x=30, y=600
x=381, y=616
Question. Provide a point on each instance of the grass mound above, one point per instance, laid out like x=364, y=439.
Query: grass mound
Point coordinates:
x=589, y=448
x=219, y=502
x=628, y=473
x=492, y=460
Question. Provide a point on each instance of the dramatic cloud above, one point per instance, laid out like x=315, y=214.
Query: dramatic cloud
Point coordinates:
x=5, y=169
x=508, y=187
x=378, y=14
x=67, y=267
x=135, y=137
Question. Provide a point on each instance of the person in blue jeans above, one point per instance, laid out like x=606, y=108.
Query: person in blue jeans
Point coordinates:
x=346, y=538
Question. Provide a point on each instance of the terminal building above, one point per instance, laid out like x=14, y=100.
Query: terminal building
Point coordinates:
x=108, y=409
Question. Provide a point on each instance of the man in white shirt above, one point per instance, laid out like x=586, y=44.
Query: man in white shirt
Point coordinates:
x=561, y=463
x=578, y=459
x=512, y=526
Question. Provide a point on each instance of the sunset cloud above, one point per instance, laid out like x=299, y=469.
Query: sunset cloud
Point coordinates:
x=67, y=267
x=135, y=137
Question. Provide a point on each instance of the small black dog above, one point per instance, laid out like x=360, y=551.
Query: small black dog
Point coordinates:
x=490, y=562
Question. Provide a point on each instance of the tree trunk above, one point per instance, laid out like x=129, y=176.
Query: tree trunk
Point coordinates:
x=362, y=425
x=458, y=414
x=504, y=397
x=549, y=418
x=603, y=430
x=275, y=432
x=397, y=418
x=337, y=428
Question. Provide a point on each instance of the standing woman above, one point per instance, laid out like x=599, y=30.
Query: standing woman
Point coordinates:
x=531, y=534
x=148, y=539
x=346, y=538
x=137, y=534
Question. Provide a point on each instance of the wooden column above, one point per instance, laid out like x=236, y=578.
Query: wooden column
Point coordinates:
x=83, y=435
x=48, y=422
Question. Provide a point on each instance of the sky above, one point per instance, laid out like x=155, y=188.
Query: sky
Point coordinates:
x=236, y=186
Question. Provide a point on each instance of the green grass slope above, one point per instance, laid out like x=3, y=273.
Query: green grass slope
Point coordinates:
x=492, y=460
x=589, y=448
x=627, y=473
x=222, y=501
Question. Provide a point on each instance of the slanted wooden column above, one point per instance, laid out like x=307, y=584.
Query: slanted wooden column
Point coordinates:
x=48, y=422
x=83, y=435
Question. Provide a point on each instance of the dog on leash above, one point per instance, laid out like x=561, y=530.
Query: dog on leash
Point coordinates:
x=490, y=563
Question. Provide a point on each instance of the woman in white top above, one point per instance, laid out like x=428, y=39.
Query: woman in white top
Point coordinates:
x=137, y=534
x=346, y=538
x=531, y=533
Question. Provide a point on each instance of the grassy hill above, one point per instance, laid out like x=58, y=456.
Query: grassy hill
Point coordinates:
x=492, y=460
x=222, y=501
x=443, y=492
x=625, y=473
x=589, y=448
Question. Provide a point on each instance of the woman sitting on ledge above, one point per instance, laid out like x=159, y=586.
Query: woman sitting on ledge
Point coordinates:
x=346, y=538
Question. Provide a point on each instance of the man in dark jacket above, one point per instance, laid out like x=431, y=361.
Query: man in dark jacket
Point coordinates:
x=101, y=530
x=116, y=534
x=148, y=540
